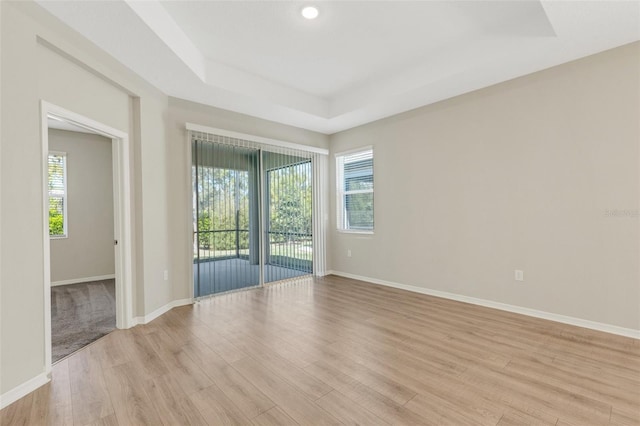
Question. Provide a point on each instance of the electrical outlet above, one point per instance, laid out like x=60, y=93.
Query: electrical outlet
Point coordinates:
x=166, y=275
x=349, y=253
x=519, y=275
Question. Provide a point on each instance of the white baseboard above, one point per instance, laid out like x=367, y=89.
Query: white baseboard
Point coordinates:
x=27, y=387
x=161, y=310
x=608, y=328
x=83, y=280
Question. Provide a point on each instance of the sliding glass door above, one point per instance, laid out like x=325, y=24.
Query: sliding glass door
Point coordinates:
x=289, y=247
x=226, y=203
x=252, y=219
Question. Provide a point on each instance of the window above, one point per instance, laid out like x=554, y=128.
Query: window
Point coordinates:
x=57, y=194
x=354, y=178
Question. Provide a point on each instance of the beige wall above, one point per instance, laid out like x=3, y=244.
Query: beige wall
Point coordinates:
x=30, y=73
x=516, y=176
x=44, y=60
x=87, y=251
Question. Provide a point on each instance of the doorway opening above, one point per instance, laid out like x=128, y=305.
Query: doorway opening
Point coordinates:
x=87, y=230
x=81, y=233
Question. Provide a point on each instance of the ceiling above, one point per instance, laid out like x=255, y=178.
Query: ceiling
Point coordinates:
x=359, y=61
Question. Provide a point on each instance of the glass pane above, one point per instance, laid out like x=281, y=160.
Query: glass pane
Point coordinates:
x=288, y=200
x=358, y=175
x=56, y=175
x=56, y=216
x=225, y=199
x=359, y=211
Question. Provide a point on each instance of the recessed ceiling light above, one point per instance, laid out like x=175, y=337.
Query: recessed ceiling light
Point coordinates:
x=310, y=12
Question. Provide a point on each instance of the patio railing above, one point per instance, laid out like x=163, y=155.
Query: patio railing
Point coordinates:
x=292, y=250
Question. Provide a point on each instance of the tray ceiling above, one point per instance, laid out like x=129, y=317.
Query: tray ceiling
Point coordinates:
x=359, y=61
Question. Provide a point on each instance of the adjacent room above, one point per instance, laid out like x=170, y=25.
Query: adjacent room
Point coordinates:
x=81, y=232
x=332, y=212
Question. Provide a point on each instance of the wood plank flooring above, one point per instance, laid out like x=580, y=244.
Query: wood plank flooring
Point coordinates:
x=338, y=351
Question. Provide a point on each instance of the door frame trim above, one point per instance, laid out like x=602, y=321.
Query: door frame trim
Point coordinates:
x=123, y=216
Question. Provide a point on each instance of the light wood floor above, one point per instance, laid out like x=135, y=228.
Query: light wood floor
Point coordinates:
x=335, y=351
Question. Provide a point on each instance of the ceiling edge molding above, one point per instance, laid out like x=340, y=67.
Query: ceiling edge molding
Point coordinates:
x=165, y=27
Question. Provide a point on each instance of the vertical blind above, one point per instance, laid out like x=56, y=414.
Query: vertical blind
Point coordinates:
x=254, y=217
x=226, y=196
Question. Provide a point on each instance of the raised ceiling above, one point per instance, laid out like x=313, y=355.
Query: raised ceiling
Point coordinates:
x=359, y=61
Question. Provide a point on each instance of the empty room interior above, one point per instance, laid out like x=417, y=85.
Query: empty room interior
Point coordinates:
x=330, y=212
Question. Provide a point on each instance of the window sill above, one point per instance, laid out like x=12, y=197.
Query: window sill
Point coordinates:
x=58, y=237
x=353, y=231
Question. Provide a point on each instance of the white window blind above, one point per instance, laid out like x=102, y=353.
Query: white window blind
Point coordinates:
x=355, y=191
x=57, y=194
x=271, y=169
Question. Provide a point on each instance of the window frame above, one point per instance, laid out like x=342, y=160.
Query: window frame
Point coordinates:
x=65, y=195
x=341, y=193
